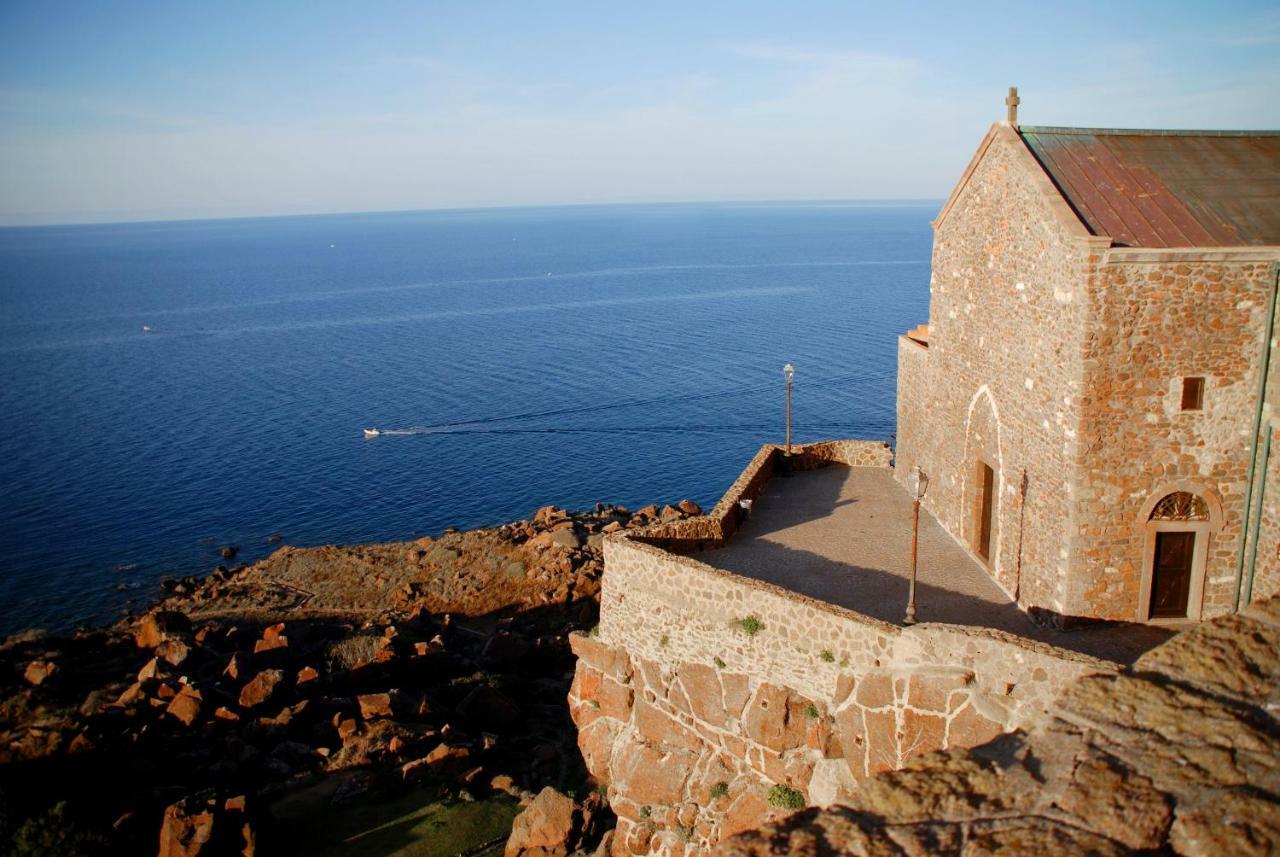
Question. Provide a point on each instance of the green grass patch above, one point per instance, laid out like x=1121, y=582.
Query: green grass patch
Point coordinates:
x=720, y=789
x=419, y=823
x=785, y=797
x=750, y=625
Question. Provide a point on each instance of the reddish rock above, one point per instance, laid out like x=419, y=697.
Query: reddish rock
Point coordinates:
x=233, y=668
x=271, y=643
x=448, y=758
x=132, y=695
x=260, y=688
x=968, y=728
x=875, y=691
x=38, y=672
x=307, y=674
x=224, y=713
x=689, y=507
x=921, y=733
x=882, y=744
x=346, y=728
x=151, y=669
x=747, y=812
x=173, y=650
x=545, y=827
x=374, y=705
x=207, y=829
x=185, y=833
x=775, y=718
x=158, y=626
x=186, y=705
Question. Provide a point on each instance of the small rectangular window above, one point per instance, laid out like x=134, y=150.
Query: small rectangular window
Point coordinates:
x=1192, y=394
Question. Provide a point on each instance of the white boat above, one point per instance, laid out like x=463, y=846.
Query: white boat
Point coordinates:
x=146, y=328
x=372, y=432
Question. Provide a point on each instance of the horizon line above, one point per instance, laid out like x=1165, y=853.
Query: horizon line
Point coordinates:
x=868, y=201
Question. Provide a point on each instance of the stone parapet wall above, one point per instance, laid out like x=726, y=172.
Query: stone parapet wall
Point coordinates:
x=697, y=677
x=718, y=526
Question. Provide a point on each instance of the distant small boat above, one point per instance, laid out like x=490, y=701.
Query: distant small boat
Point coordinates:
x=372, y=432
x=146, y=328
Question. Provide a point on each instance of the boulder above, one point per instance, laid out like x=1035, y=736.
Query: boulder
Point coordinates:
x=545, y=828
x=173, y=650
x=158, y=626
x=374, y=705
x=38, y=672
x=272, y=638
x=260, y=688
x=186, y=705
x=689, y=507
x=208, y=828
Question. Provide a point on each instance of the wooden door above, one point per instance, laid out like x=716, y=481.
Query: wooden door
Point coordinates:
x=985, y=511
x=1171, y=574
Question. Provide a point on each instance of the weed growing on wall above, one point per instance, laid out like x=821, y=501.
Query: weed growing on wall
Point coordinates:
x=751, y=625
x=785, y=797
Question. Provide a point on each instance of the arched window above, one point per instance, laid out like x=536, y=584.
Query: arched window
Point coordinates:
x=1178, y=530
x=1180, y=506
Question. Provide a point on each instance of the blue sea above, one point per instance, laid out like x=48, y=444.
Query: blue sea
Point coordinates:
x=170, y=388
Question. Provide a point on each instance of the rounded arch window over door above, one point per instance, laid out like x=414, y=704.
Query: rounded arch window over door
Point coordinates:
x=1177, y=530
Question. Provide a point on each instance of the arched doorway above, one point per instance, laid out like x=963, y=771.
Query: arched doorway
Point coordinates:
x=1178, y=527
x=983, y=480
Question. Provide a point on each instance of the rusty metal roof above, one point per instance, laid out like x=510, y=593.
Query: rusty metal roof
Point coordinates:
x=1167, y=188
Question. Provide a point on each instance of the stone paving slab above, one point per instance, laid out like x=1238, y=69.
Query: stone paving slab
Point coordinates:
x=843, y=535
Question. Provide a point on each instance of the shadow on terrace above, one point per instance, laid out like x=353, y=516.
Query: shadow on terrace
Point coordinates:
x=842, y=535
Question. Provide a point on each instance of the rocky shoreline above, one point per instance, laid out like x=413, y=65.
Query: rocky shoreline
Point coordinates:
x=254, y=708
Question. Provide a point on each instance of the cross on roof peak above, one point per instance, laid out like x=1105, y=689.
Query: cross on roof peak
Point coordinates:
x=1012, y=101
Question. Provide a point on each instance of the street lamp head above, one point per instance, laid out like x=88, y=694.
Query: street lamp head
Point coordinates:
x=917, y=483
x=788, y=372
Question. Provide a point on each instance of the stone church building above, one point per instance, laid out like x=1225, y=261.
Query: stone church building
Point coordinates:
x=1090, y=398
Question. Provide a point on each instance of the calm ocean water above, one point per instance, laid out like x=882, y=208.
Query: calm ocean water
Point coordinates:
x=624, y=354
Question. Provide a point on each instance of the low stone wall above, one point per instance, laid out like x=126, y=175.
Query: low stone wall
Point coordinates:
x=703, y=693
x=719, y=525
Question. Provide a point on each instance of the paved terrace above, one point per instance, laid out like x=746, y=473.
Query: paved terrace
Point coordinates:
x=843, y=535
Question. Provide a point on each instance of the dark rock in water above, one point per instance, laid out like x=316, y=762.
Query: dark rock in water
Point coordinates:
x=274, y=538
x=228, y=551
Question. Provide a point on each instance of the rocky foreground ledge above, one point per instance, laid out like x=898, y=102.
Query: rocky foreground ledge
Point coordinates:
x=260, y=709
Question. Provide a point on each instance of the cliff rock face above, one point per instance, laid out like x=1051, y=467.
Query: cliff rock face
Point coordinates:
x=1182, y=753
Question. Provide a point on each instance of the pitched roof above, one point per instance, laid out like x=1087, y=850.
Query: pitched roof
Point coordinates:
x=1166, y=188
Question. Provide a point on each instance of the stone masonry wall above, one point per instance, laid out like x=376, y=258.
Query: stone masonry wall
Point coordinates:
x=1154, y=319
x=690, y=716
x=1001, y=378
x=1266, y=580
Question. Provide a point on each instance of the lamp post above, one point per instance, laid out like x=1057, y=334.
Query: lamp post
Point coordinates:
x=788, y=372
x=917, y=484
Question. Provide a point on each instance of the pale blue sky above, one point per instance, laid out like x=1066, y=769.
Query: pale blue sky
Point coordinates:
x=130, y=110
